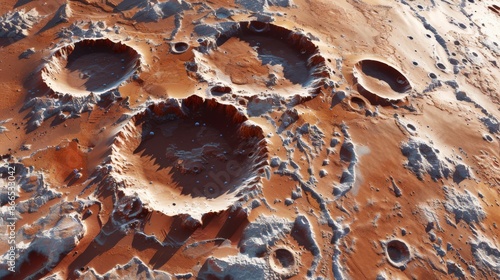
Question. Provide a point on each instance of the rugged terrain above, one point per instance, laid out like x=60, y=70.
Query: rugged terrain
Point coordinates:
x=250, y=139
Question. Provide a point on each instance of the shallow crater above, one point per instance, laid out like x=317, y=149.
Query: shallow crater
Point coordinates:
x=380, y=83
x=90, y=66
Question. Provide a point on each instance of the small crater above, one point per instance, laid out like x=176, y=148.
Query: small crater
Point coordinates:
x=453, y=61
x=220, y=90
x=488, y=138
x=411, y=127
x=432, y=76
x=283, y=261
x=180, y=47
x=441, y=66
x=357, y=103
x=258, y=26
x=398, y=253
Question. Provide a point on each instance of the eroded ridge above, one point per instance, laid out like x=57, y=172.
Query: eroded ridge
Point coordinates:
x=191, y=157
x=278, y=60
x=90, y=66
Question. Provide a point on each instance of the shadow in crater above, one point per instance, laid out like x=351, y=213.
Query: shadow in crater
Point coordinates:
x=381, y=71
x=275, y=46
x=203, y=153
x=99, y=65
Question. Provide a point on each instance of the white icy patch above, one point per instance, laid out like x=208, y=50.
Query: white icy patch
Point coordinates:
x=239, y=267
x=53, y=243
x=3, y=128
x=161, y=10
x=134, y=269
x=423, y=158
x=87, y=30
x=262, y=233
x=16, y=24
x=464, y=206
x=486, y=254
x=261, y=5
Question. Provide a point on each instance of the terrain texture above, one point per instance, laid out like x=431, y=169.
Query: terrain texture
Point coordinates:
x=250, y=139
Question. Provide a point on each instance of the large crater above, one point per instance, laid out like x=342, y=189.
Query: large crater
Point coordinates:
x=189, y=157
x=90, y=65
x=380, y=82
x=256, y=57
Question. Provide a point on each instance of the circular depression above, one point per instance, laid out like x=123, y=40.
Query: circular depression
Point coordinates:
x=189, y=157
x=398, y=253
x=256, y=56
x=380, y=82
x=283, y=261
x=358, y=103
x=179, y=47
x=91, y=65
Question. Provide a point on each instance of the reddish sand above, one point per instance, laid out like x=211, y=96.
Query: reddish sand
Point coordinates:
x=237, y=140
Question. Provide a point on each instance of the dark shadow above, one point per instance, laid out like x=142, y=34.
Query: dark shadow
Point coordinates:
x=236, y=220
x=461, y=173
x=375, y=99
x=381, y=71
x=104, y=190
x=36, y=88
x=126, y=5
x=57, y=121
x=5, y=42
x=337, y=98
x=59, y=17
x=208, y=218
x=141, y=242
x=71, y=179
x=95, y=249
x=31, y=268
x=178, y=234
x=357, y=103
x=20, y=3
